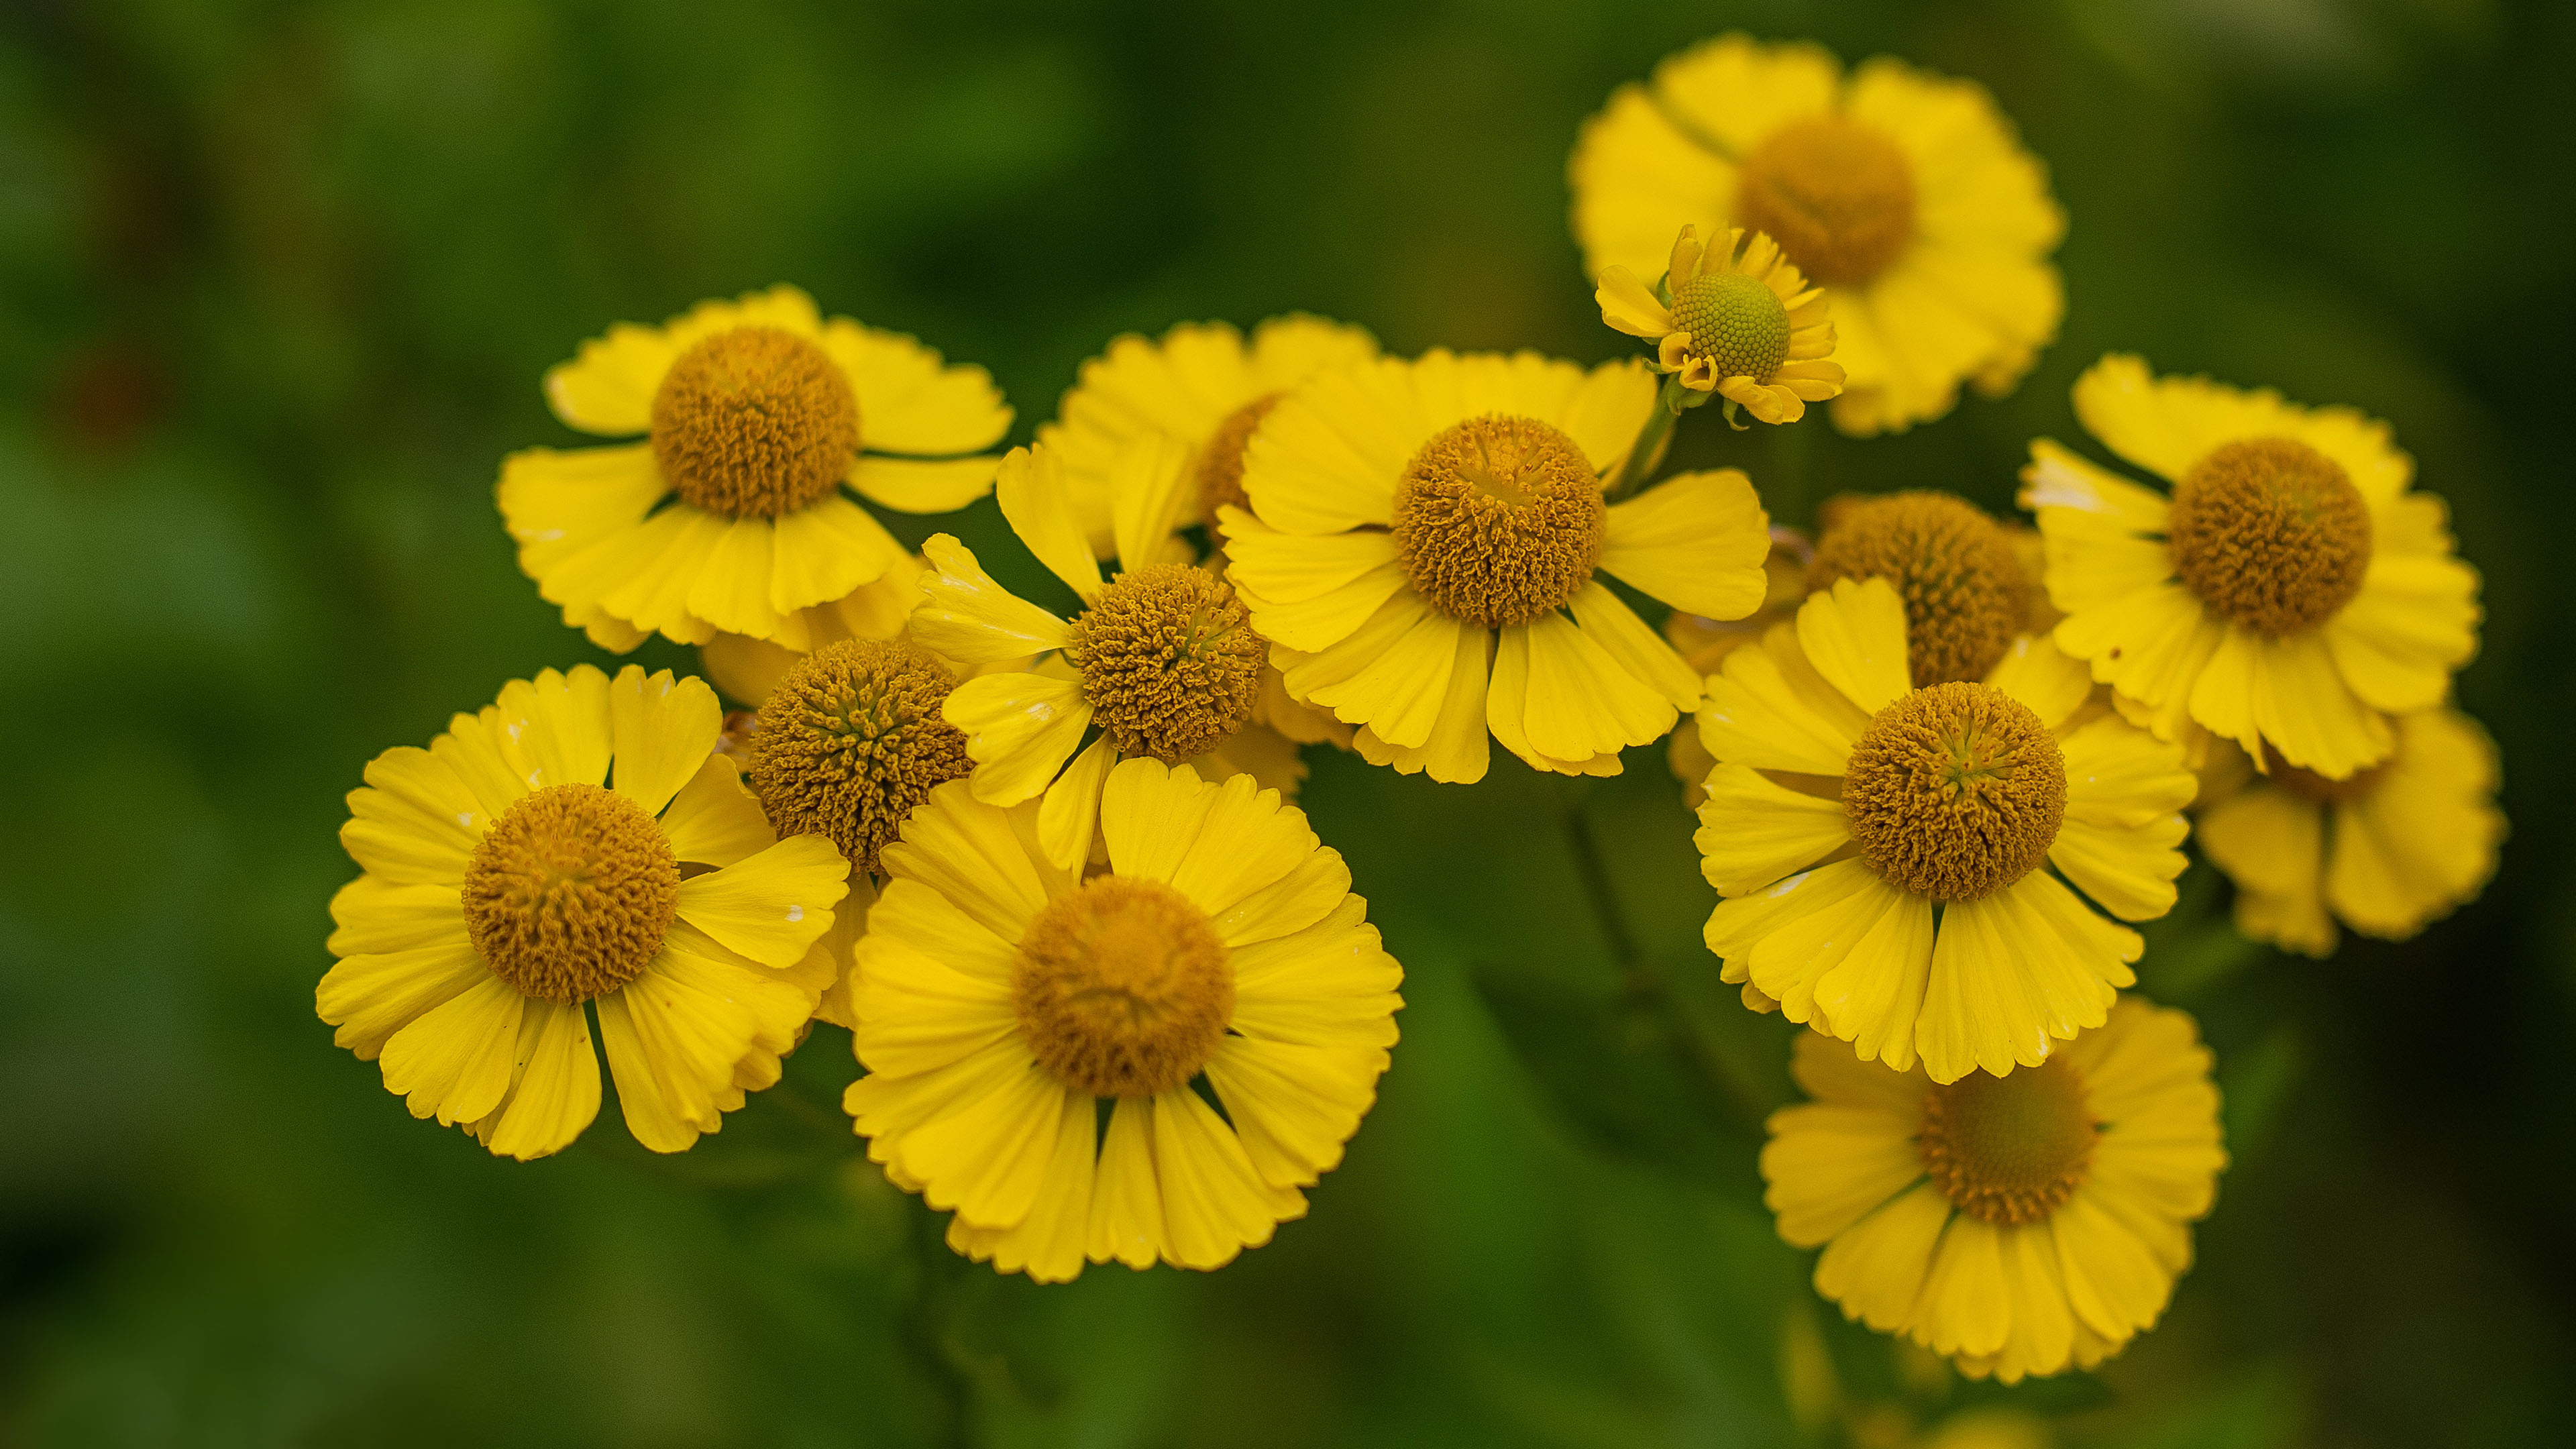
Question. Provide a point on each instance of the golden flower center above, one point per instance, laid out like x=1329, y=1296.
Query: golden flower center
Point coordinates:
x=2271, y=534
x=1220, y=467
x=755, y=422
x=1498, y=520
x=2010, y=1149
x=1836, y=194
x=569, y=894
x=1955, y=792
x=2317, y=789
x=1122, y=987
x=851, y=740
x=1169, y=661
x=1965, y=593
x=1737, y=322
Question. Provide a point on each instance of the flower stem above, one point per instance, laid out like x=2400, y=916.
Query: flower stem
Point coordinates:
x=1647, y=453
x=1589, y=869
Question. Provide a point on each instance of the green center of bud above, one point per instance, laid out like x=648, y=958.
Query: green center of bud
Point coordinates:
x=1734, y=321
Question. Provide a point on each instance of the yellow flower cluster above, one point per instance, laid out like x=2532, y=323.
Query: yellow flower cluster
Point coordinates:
x=1115, y=1000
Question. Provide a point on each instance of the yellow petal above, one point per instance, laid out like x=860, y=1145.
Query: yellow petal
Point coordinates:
x=453, y=1061
x=1757, y=716
x=967, y=617
x=825, y=551
x=1696, y=541
x=1855, y=638
x=1149, y=499
x=969, y=853
x=561, y=724
x=1641, y=652
x=1048, y=1243
x=1020, y=729
x=1628, y=306
x=1246, y=843
x=988, y=1156
x=371, y=996
x=1876, y=1268
x=1456, y=751
x=558, y=503
x=714, y=820
x=910, y=400
x=1127, y=1200
x=1214, y=1202
x=663, y=729
x=1754, y=832
x=1829, y=1166
x=916, y=485
x=2040, y=675
x=1070, y=816
x=733, y=587
x=1151, y=815
x=416, y=823
x=554, y=1092
x=772, y=905
x=1293, y=1105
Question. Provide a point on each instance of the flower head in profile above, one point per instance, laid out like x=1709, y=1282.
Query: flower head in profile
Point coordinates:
x=1425, y=551
x=575, y=850
x=734, y=515
x=1903, y=194
x=1732, y=319
x=1896, y=862
x=1967, y=595
x=1217, y=989
x=2018, y=1225
x=2386, y=851
x=1160, y=662
x=2289, y=590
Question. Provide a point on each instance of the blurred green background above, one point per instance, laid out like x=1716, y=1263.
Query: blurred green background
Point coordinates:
x=280, y=280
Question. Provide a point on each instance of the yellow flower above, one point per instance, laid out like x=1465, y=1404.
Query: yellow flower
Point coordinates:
x=1903, y=194
x=748, y=668
x=573, y=846
x=1162, y=657
x=2289, y=589
x=2386, y=852
x=2016, y=1225
x=1741, y=323
x=1967, y=595
x=1003, y=997
x=755, y=414
x=1418, y=531
x=1201, y=384
x=1883, y=849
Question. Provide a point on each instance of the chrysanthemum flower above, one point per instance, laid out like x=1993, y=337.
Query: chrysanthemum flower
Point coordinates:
x=2387, y=851
x=575, y=849
x=1005, y=1000
x=1162, y=658
x=730, y=517
x=1903, y=194
x=1967, y=596
x=1419, y=532
x=1200, y=383
x=2289, y=589
x=2017, y=1225
x=1741, y=323
x=1884, y=850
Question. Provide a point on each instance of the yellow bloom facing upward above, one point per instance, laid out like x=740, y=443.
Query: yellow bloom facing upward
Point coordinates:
x=1733, y=319
x=1903, y=194
x=1003, y=998
x=2290, y=589
x=575, y=848
x=1424, y=547
x=1202, y=384
x=730, y=516
x=1884, y=850
x=2017, y=1225
x=2386, y=852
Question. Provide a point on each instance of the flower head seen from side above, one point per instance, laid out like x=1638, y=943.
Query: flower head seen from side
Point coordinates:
x=1904, y=195
x=1202, y=384
x=575, y=849
x=2290, y=589
x=1732, y=319
x=1899, y=866
x=1005, y=1000
x=1160, y=662
x=1425, y=546
x=732, y=515
x=2018, y=1225
x=1967, y=596
x=2386, y=851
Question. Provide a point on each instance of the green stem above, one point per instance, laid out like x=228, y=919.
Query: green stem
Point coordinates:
x=927, y=1329
x=1648, y=451
x=1590, y=869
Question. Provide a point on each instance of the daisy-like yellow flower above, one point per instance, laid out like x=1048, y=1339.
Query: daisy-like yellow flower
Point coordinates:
x=2387, y=851
x=1201, y=383
x=1733, y=319
x=1420, y=531
x=2016, y=1225
x=574, y=849
x=1004, y=999
x=1162, y=658
x=2291, y=588
x=731, y=515
x=1903, y=194
x=1885, y=851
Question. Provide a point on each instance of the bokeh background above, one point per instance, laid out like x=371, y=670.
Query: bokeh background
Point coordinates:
x=279, y=282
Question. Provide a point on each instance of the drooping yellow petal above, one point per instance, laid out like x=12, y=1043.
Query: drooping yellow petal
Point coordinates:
x=1148, y=498
x=1020, y=729
x=554, y=1089
x=967, y=617
x=911, y=400
x=772, y=905
x=714, y=820
x=1855, y=638
x=1696, y=541
x=1031, y=491
x=1070, y=814
x=1754, y=832
x=663, y=730
x=1215, y=1204
x=453, y=1061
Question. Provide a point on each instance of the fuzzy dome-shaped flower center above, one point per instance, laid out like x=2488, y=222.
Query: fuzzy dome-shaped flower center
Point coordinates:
x=851, y=740
x=1221, y=461
x=569, y=894
x=1169, y=661
x=2270, y=533
x=1955, y=792
x=1966, y=595
x=755, y=422
x=1122, y=987
x=1498, y=520
x=1737, y=322
x=2010, y=1149
x=1836, y=194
